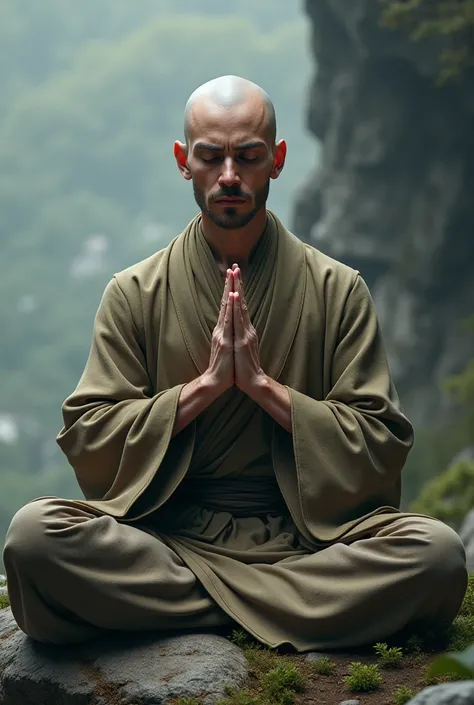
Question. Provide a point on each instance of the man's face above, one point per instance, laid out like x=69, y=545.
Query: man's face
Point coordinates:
x=230, y=159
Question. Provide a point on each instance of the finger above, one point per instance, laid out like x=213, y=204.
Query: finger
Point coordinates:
x=229, y=317
x=239, y=324
x=239, y=287
x=237, y=281
x=234, y=266
x=229, y=286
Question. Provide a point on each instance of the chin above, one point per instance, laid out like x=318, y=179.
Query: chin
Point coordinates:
x=231, y=219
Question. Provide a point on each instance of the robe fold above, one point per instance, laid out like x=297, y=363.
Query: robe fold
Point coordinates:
x=234, y=492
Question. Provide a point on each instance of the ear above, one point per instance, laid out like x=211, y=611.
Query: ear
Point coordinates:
x=180, y=152
x=279, y=159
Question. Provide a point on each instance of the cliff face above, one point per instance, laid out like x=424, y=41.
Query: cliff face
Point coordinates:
x=394, y=196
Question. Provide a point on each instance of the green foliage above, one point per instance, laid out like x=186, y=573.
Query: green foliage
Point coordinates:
x=447, y=494
x=240, y=638
x=450, y=496
x=448, y=671
x=261, y=658
x=324, y=666
x=363, y=678
x=277, y=679
x=281, y=682
x=432, y=453
x=389, y=657
x=467, y=607
x=458, y=663
x=414, y=645
x=461, y=386
x=403, y=695
x=450, y=20
x=241, y=697
x=461, y=633
x=4, y=602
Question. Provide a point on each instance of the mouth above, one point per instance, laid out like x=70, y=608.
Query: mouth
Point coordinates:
x=232, y=200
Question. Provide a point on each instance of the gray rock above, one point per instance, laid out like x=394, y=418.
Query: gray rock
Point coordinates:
x=3, y=578
x=459, y=693
x=350, y=702
x=3, y=590
x=7, y=624
x=390, y=196
x=130, y=669
x=316, y=656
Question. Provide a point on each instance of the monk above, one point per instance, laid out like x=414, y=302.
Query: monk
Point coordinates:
x=236, y=435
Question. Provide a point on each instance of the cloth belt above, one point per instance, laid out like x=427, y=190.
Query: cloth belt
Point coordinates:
x=243, y=496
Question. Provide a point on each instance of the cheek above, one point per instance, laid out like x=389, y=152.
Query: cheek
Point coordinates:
x=203, y=178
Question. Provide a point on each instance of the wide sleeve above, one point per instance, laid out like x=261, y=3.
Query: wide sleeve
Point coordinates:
x=350, y=447
x=116, y=430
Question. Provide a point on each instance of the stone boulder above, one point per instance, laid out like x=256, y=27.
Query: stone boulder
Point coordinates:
x=122, y=669
x=459, y=693
x=392, y=195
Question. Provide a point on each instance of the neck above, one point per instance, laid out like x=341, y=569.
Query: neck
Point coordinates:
x=234, y=246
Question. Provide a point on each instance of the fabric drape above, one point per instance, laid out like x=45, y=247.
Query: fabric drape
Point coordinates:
x=335, y=477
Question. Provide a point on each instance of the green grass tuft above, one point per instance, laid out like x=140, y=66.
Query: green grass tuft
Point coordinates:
x=241, y=697
x=403, y=695
x=281, y=682
x=414, y=645
x=467, y=607
x=240, y=638
x=324, y=666
x=4, y=602
x=461, y=633
x=389, y=657
x=429, y=679
x=363, y=678
x=261, y=659
x=188, y=701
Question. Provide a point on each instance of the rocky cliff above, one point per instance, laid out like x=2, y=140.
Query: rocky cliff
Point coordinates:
x=394, y=195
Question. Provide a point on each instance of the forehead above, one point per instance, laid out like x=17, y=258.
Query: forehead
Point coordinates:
x=241, y=122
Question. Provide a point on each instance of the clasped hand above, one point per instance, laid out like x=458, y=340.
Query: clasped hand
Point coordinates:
x=235, y=358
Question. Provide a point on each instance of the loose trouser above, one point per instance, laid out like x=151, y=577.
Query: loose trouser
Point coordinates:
x=72, y=574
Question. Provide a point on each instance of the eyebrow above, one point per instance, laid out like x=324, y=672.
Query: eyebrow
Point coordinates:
x=239, y=148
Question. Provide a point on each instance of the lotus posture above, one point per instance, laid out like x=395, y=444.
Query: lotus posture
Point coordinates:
x=236, y=435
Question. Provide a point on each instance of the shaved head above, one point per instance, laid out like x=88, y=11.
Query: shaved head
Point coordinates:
x=228, y=93
x=230, y=152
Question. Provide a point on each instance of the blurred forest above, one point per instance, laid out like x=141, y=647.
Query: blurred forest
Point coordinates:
x=92, y=99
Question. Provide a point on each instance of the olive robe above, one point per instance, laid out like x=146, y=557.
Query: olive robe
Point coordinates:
x=222, y=491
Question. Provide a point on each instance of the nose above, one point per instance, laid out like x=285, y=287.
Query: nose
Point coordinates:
x=229, y=175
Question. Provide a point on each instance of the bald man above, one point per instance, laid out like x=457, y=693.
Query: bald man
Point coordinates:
x=236, y=435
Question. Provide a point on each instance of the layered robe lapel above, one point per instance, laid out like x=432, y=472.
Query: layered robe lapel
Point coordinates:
x=274, y=288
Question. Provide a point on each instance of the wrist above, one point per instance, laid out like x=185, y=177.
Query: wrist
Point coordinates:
x=210, y=387
x=258, y=387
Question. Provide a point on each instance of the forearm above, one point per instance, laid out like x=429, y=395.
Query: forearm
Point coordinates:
x=274, y=398
x=194, y=398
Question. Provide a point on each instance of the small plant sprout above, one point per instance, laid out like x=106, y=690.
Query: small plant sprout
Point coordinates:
x=363, y=678
x=403, y=695
x=281, y=682
x=324, y=666
x=414, y=645
x=389, y=657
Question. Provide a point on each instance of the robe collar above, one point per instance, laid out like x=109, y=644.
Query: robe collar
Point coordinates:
x=274, y=287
